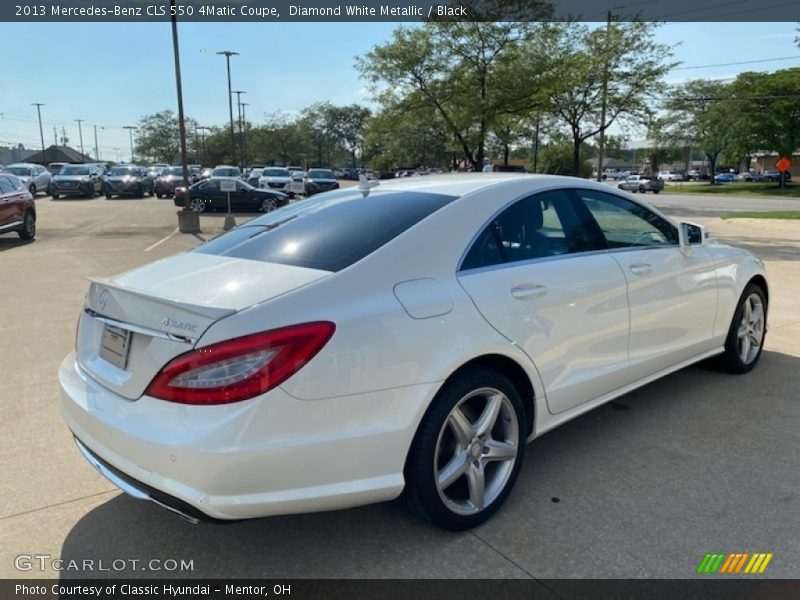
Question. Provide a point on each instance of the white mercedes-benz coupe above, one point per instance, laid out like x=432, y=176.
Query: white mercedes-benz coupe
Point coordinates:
x=408, y=337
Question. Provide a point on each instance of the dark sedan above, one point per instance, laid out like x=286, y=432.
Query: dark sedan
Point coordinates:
x=320, y=180
x=208, y=195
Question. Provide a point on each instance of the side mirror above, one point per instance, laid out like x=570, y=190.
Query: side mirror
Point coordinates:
x=691, y=234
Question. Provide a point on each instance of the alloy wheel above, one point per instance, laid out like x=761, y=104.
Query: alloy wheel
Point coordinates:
x=750, y=334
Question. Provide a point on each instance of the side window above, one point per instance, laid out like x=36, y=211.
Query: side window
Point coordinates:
x=535, y=227
x=627, y=224
x=6, y=186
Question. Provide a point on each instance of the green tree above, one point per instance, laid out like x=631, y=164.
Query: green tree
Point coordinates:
x=158, y=137
x=470, y=74
x=347, y=125
x=699, y=116
x=622, y=63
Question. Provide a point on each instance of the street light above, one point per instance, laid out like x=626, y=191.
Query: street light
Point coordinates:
x=244, y=135
x=203, y=129
x=39, y=106
x=227, y=54
x=80, y=133
x=130, y=129
x=96, y=147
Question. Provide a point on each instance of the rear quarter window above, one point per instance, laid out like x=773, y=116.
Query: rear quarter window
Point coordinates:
x=329, y=232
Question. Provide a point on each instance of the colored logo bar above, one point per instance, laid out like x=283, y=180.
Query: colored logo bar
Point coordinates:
x=734, y=562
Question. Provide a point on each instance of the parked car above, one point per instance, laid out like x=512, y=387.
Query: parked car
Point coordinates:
x=128, y=180
x=226, y=171
x=77, y=180
x=55, y=167
x=35, y=177
x=169, y=179
x=275, y=178
x=208, y=195
x=669, y=176
x=155, y=172
x=400, y=339
x=773, y=175
x=642, y=184
x=254, y=175
x=205, y=174
x=295, y=169
x=725, y=177
x=320, y=180
x=749, y=176
x=17, y=209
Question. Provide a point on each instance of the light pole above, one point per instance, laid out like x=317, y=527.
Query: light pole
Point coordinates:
x=130, y=129
x=239, y=108
x=39, y=106
x=244, y=135
x=80, y=132
x=117, y=151
x=203, y=129
x=227, y=54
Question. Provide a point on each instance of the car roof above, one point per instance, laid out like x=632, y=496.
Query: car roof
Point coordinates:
x=461, y=184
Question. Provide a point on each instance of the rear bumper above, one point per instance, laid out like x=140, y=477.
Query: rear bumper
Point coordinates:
x=270, y=455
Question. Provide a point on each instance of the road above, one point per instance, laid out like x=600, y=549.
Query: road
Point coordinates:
x=642, y=487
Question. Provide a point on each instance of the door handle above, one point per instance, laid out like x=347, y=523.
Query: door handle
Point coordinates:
x=641, y=268
x=528, y=291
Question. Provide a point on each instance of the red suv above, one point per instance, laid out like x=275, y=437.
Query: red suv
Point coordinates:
x=17, y=211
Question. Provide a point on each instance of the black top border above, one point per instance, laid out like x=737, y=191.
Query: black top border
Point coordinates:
x=301, y=11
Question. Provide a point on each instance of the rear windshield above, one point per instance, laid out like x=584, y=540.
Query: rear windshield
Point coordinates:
x=173, y=171
x=328, y=232
x=226, y=172
x=22, y=171
x=320, y=174
x=275, y=173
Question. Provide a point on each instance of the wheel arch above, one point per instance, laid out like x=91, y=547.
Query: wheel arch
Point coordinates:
x=761, y=281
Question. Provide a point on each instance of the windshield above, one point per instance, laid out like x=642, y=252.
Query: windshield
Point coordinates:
x=275, y=173
x=21, y=171
x=76, y=170
x=320, y=174
x=122, y=171
x=320, y=233
x=177, y=171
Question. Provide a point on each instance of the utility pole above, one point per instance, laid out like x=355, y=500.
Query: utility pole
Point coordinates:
x=55, y=136
x=130, y=129
x=96, y=147
x=39, y=106
x=117, y=151
x=227, y=54
x=603, y=102
x=536, y=142
x=239, y=108
x=80, y=132
x=244, y=135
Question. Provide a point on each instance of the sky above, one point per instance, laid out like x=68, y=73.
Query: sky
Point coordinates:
x=111, y=74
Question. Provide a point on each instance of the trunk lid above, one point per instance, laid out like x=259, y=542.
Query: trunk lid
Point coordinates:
x=134, y=323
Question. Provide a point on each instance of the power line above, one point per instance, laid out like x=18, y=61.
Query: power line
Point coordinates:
x=743, y=62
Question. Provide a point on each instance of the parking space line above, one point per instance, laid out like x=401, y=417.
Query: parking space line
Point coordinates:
x=161, y=241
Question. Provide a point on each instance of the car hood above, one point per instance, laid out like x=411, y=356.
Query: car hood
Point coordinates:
x=71, y=177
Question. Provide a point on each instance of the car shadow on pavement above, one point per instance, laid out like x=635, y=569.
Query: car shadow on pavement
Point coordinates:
x=657, y=468
x=11, y=242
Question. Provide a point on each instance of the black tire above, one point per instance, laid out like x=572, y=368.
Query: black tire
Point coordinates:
x=140, y=192
x=90, y=193
x=452, y=507
x=642, y=189
x=32, y=190
x=54, y=196
x=656, y=191
x=159, y=196
x=268, y=205
x=731, y=360
x=108, y=195
x=28, y=231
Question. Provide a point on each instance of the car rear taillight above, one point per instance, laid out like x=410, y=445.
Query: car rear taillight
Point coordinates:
x=240, y=368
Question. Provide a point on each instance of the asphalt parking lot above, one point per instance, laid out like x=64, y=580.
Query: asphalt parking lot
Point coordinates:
x=642, y=487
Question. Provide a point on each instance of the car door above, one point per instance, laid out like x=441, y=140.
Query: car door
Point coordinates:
x=544, y=281
x=672, y=294
x=8, y=203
